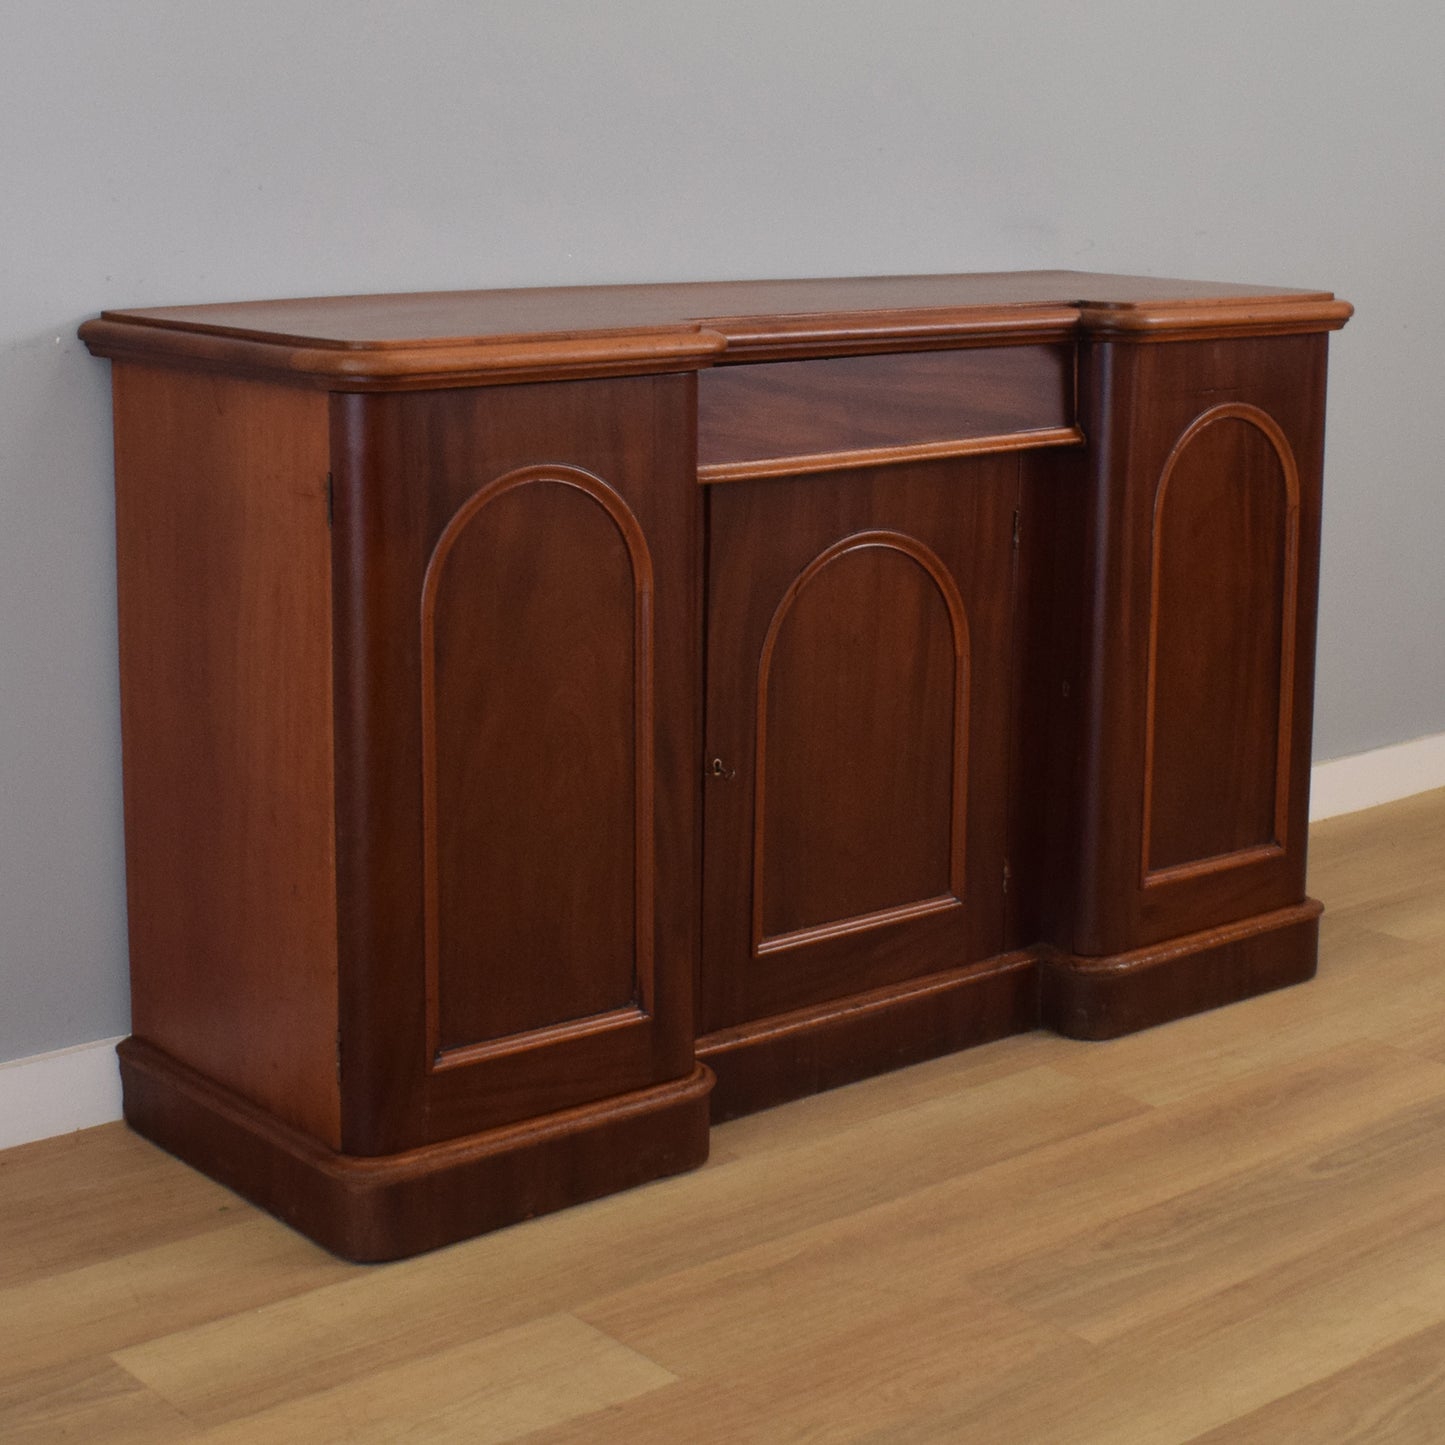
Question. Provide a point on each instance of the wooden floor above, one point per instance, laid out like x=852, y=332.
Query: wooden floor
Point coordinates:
x=1229, y=1229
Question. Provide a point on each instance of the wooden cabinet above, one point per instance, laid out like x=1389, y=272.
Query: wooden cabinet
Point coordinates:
x=551, y=718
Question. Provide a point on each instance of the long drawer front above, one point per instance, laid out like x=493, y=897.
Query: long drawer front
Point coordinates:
x=785, y=418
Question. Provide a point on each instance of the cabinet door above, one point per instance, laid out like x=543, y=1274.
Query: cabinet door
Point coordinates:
x=859, y=631
x=1204, y=545
x=517, y=702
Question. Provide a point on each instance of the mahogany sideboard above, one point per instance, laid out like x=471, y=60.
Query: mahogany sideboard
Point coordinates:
x=553, y=718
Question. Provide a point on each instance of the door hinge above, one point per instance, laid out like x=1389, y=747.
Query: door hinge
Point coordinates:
x=1018, y=522
x=1006, y=876
x=338, y=1055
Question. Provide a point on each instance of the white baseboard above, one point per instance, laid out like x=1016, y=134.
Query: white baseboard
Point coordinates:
x=78, y=1087
x=49, y=1094
x=1384, y=775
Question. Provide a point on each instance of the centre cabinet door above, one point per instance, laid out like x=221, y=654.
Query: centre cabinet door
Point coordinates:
x=859, y=636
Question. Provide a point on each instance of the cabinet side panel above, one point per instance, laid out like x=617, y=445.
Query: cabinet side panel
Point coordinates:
x=225, y=653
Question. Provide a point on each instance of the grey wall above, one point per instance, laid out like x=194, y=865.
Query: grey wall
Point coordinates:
x=166, y=151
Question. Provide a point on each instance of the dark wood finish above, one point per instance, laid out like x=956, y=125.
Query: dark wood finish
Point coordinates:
x=537, y=742
x=224, y=600
x=563, y=950
x=1102, y=998
x=1048, y=669
x=372, y=1210
x=858, y=660
x=836, y=695
x=1217, y=319
x=850, y=461
x=789, y=1056
x=1002, y=630
x=362, y=343
x=1219, y=702
x=1256, y=607
x=455, y=318
x=791, y=417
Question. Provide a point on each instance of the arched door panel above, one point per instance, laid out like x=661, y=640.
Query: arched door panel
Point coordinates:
x=858, y=685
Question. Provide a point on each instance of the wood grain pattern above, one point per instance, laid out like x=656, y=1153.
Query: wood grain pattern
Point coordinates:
x=360, y=343
x=324, y=1338
x=1220, y=317
x=1048, y=689
x=386, y=1207
x=541, y=1374
x=418, y=368
x=406, y=465
x=835, y=696
x=398, y=322
x=1283, y=378
x=788, y=1056
x=847, y=461
x=223, y=568
x=899, y=693
x=1396, y=1393
x=155, y=1282
x=772, y=414
x=1101, y=998
x=506, y=1390
x=537, y=741
x=92, y=1399
x=1224, y=597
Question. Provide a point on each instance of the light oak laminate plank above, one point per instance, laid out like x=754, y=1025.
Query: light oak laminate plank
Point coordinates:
x=856, y=1372
x=498, y=1388
x=85, y=1197
x=1395, y=1396
x=132, y=1298
x=1037, y=1201
x=726, y=1326
x=808, y=1121
x=1169, y=1381
x=1151, y=1263
x=1367, y=989
x=1380, y=858
x=387, y=1316
x=806, y=1296
x=90, y=1399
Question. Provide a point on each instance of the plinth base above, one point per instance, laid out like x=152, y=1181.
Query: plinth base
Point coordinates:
x=372, y=1209
x=1101, y=998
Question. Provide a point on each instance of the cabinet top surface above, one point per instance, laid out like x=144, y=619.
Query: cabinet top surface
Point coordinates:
x=683, y=325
